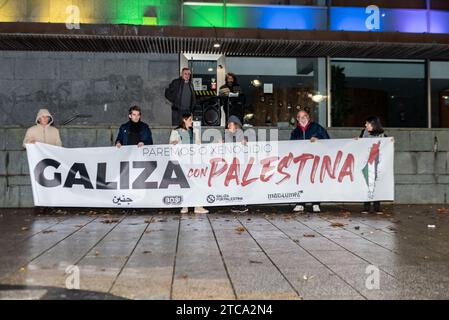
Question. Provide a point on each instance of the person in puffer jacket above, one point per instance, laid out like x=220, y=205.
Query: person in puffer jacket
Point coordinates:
x=43, y=131
x=135, y=131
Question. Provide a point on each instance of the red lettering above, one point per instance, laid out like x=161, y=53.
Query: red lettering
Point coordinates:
x=213, y=171
x=283, y=164
x=245, y=180
x=267, y=167
x=233, y=173
x=316, y=161
x=347, y=169
x=302, y=159
x=326, y=166
x=203, y=172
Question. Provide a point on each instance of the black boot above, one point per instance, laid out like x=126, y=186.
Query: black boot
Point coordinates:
x=366, y=207
x=377, y=207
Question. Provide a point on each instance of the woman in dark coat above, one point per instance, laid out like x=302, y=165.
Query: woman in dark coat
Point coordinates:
x=373, y=129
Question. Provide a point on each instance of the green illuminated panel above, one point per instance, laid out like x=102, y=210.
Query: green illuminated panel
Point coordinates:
x=235, y=17
x=150, y=21
x=210, y=15
x=148, y=12
x=129, y=12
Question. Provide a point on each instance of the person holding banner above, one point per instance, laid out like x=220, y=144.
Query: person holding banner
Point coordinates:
x=183, y=134
x=307, y=130
x=373, y=129
x=233, y=134
x=234, y=131
x=43, y=131
x=134, y=132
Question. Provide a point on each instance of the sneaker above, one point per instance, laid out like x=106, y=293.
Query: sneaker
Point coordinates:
x=316, y=208
x=184, y=210
x=298, y=208
x=239, y=209
x=200, y=210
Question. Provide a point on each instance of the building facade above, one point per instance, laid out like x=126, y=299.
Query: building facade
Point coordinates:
x=88, y=61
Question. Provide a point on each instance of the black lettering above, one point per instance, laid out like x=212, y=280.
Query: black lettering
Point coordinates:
x=141, y=180
x=82, y=180
x=179, y=178
x=124, y=175
x=101, y=178
x=39, y=173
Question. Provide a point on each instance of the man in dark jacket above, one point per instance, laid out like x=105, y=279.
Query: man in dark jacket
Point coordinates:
x=134, y=132
x=307, y=130
x=230, y=86
x=181, y=95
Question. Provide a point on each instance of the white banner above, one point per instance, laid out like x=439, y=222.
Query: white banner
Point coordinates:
x=337, y=170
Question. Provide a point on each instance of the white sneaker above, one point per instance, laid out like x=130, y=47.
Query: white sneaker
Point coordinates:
x=299, y=208
x=201, y=210
x=239, y=209
x=316, y=208
x=184, y=210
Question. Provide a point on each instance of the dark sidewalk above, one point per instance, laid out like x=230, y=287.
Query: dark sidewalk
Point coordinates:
x=268, y=253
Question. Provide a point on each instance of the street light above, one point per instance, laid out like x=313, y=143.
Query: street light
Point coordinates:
x=318, y=97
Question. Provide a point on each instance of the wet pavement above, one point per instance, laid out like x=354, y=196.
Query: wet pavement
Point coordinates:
x=268, y=253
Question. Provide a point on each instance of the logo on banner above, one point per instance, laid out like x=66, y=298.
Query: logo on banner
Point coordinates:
x=172, y=200
x=286, y=195
x=210, y=198
x=119, y=200
x=370, y=170
x=222, y=198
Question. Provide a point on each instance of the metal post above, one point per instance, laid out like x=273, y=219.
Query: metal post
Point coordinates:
x=429, y=94
x=181, y=20
x=328, y=87
x=224, y=14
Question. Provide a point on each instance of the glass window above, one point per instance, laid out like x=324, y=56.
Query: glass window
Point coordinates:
x=395, y=91
x=439, y=74
x=275, y=88
x=204, y=74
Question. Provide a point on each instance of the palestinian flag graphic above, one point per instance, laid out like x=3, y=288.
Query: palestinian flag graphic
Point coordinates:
x=370, y=169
